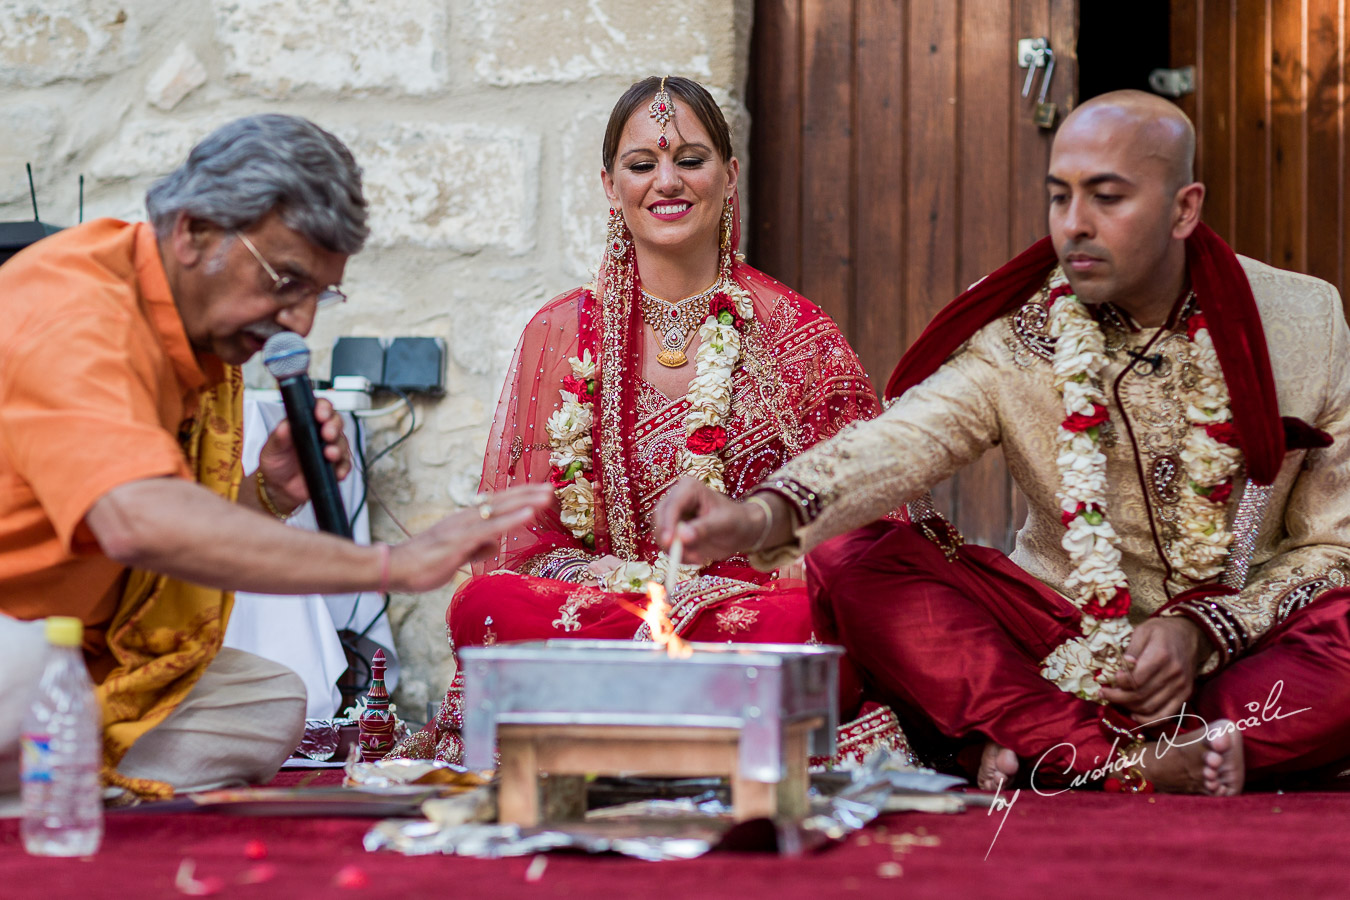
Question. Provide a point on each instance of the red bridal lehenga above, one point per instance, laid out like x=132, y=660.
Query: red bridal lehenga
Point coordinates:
x=798, y=383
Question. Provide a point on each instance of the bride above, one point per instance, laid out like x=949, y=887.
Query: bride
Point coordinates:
x=679, y=361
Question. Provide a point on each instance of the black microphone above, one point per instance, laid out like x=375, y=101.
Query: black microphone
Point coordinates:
x=287, y=358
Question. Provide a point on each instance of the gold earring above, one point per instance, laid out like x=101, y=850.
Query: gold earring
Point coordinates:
x=728, y=226
x=617, y=238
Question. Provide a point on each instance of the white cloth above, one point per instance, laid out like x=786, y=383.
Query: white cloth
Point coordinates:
x=301, y=632
x=236, y=726
x=240, y=720
x=23, y=654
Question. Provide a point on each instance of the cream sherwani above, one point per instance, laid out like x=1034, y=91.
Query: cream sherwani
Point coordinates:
x=996, y=390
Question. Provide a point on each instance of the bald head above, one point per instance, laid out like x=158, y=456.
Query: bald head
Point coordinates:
x=1123, y=200
x=1153, y=128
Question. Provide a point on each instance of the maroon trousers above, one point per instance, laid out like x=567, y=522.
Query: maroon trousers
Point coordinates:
x=955, y=647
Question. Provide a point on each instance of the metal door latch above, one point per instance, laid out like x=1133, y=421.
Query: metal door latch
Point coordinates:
x=1172, y=82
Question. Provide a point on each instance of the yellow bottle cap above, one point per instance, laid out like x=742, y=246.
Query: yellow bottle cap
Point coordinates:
x=64, y=631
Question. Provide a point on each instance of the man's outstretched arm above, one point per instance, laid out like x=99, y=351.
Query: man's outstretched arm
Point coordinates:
x=180, y=529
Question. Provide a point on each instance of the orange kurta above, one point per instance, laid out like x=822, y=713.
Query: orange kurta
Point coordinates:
x=96, y=379
x=99, y=387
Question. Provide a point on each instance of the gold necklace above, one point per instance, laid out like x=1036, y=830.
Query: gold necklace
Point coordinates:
x=675, y=324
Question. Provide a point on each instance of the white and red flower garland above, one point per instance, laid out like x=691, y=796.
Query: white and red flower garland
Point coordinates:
x=1210, y=460
x=570, y=446
x=730, y=313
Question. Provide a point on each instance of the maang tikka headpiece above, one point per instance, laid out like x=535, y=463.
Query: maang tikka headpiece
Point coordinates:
x=661, y=110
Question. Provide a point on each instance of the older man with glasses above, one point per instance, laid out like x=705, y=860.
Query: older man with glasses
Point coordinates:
x=122, y=500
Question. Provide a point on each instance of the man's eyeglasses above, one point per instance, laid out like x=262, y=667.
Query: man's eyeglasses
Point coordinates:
x=292, y=291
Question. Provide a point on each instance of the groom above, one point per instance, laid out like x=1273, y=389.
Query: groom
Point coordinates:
x=1173, y=616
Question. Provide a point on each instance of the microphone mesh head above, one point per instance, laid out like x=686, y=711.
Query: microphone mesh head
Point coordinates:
x=285, y=355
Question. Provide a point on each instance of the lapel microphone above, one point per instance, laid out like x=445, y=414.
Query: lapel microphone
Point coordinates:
x=1154, y=360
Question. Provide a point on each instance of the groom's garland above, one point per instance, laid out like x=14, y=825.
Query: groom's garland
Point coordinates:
x=730, y=314
x=1210, y=459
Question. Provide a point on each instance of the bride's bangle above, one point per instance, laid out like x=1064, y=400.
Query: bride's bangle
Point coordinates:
x=763, y=504
x=560, y=565
x=574, y=571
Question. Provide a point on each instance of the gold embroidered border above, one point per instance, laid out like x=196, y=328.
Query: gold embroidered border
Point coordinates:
x=878, y=730
x=616, y=490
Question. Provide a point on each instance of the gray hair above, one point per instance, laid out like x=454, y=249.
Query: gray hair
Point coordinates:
x=242, y=171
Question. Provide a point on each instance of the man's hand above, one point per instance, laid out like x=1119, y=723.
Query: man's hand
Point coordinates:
x=1161, y=663
x=710, y=525
x=280, y=467
x=430, y=559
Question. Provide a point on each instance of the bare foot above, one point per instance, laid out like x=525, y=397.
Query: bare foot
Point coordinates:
x=1197, y=763
x=1225, y=770
x=998, y=767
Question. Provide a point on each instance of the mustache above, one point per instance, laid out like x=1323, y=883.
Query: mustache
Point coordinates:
x=1086, y=248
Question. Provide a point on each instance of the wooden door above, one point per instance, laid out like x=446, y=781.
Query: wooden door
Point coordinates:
x=893, y=163
x=1270, y=114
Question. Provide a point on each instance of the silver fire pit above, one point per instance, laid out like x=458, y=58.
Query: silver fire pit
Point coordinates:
x=751, y=712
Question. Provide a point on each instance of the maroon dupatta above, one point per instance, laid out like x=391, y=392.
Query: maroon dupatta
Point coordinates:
x=1225, y=298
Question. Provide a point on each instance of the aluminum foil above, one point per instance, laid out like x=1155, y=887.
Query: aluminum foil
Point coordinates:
x=873, y=788
x=709, y=803
x=322, y=738
x=498, y=841
x=398, y=773
x=684, y=828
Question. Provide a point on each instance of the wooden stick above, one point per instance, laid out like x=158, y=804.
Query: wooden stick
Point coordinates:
x=673, y=571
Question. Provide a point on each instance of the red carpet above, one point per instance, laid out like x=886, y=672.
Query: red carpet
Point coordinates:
x=1074, y=845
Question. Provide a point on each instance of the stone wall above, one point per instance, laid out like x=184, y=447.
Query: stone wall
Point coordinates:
x=478, y=124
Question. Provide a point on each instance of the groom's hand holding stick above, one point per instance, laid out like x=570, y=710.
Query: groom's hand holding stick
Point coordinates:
x=711, y=526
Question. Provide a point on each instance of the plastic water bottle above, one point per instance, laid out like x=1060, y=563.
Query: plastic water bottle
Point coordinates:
x=62, y=750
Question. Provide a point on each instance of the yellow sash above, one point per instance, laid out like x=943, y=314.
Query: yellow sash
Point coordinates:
x=166, y=632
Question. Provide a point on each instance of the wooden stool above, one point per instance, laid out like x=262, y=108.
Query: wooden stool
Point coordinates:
x=618, y=750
